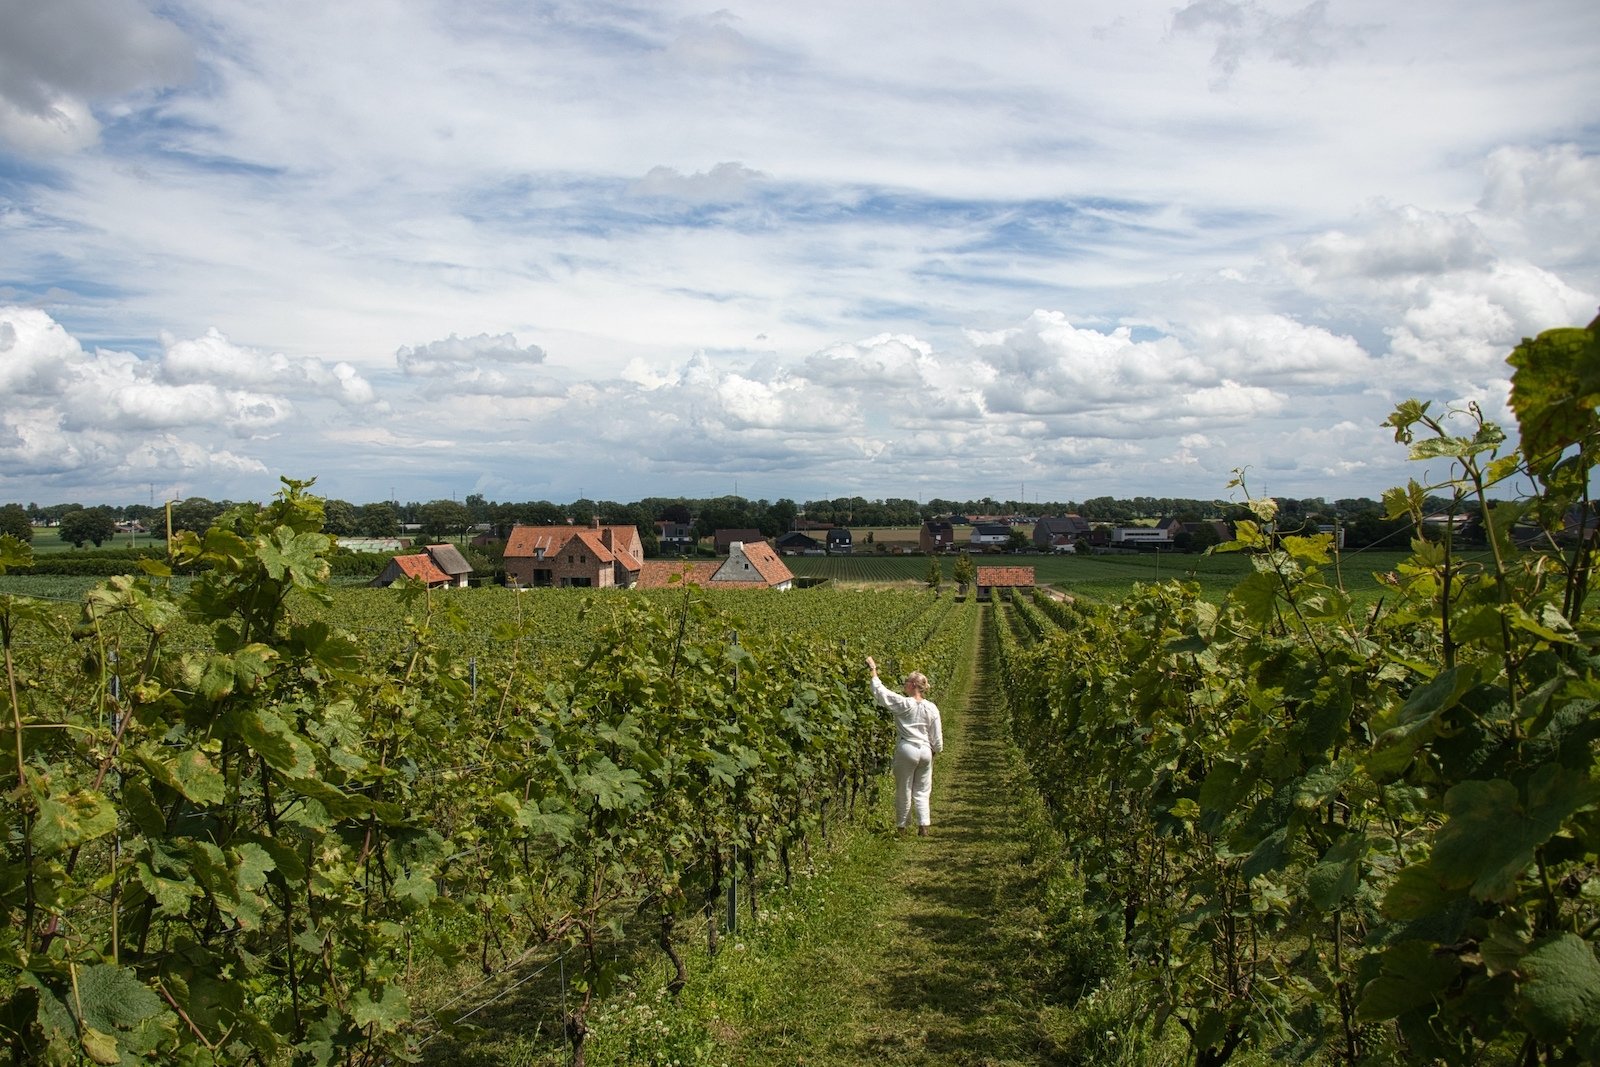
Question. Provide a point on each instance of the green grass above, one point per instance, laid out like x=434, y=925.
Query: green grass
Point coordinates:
x=1105, y=578
x=47, y=540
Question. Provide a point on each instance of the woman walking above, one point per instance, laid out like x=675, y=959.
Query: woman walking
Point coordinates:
x=920, y=738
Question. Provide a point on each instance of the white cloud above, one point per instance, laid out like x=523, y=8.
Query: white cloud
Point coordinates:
x=479, y=366
x=1395, y=244
x=804, y=242
x=1231, y=402
x=214, y=358
x=1276, y=348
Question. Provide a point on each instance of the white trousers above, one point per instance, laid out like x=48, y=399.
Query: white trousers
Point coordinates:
x=913, y=781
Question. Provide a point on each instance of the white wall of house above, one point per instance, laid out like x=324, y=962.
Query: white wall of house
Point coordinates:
x=1140, y=535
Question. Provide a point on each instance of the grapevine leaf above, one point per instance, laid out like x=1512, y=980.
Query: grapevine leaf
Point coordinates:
x=14, y=553
x=100, y=1047
x=388, y=1010
x=1554, y=388
x=1415, y=893
x=1490, y=836
x=1322, y=784
x=68, y=820
x=276, y=741
x=1417, y=721
x=1331, y=881
x=1411, y=975
x=190, y=772
x=141, y=806
x=172, y=896
x=1271, y=854
x=1561, y=988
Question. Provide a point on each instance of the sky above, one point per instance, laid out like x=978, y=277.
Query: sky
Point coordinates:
x=532, y=250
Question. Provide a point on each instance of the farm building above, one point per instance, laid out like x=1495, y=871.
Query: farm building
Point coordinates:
x=839, y=542
x=591, y=556
x=796, y=542
x=752, y=566
x=373, y=544
x=1129, y=536
x=1059, y=533
x=990, y=535
x=439, y=566
x=993, y=578
x=936, y=537
x=755, y=563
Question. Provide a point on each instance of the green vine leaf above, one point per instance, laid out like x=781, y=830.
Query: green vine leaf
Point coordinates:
x=1560, y=991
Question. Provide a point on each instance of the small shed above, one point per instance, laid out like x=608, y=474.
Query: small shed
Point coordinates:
x=992, y=578
x=449, y=559
x=439, y=566
x=419, y=567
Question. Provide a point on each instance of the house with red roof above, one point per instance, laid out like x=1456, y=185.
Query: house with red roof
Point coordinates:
x=592, y=556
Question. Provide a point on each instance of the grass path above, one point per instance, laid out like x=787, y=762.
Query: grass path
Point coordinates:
x=933, y=966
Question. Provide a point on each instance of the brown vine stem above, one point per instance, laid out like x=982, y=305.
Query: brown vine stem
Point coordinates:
x=195, y=1030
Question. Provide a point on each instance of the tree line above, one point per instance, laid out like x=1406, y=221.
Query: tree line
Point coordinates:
x=1363, y=520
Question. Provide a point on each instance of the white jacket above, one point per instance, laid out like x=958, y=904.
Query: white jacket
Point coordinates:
x=916, y=719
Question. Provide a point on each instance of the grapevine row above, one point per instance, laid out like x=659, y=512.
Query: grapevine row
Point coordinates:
x=234, y=826
x=1344, y=836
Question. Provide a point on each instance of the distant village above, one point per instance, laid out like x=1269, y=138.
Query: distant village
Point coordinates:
x=614, y=556
x=731, y=542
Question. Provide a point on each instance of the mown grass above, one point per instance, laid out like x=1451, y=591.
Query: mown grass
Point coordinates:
x=1107, y=578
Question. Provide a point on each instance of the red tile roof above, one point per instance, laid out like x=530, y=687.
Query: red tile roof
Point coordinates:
x=422, y=568
x=773, y=570
x=1005, y=576
x=656, y=573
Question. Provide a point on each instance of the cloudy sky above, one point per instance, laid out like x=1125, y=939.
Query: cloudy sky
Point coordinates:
x=538, y=249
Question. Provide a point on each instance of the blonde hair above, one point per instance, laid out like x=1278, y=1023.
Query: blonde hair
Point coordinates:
x=918, y=679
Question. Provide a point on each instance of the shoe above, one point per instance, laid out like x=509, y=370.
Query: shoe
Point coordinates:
x=922, y=831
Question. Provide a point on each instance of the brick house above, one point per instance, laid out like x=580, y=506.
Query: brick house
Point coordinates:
x=936, y=537
x=594, y=556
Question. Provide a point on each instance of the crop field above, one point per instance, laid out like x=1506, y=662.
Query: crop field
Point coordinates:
x=1100, y=578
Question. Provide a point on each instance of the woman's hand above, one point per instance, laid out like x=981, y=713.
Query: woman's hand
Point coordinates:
x=874, y=665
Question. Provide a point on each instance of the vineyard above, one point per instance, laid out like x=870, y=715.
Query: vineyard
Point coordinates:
x=252, y=820
x=1105, y=578
x=1341, y=833
x=243, y=818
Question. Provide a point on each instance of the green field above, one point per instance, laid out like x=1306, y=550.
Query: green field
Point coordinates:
x=1103, y=578
x=47, y=539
